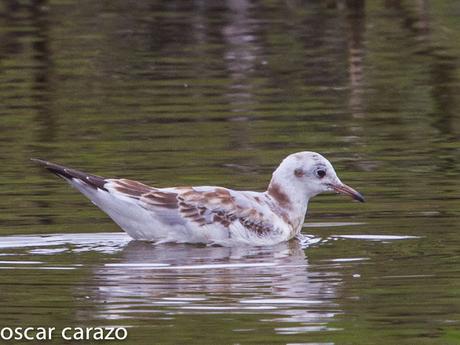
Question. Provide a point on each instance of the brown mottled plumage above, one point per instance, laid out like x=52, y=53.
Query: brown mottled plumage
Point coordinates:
x=212, y=214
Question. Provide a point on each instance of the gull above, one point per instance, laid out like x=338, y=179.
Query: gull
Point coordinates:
x=209, y=214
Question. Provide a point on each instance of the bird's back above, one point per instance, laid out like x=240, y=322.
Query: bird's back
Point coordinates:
x=204, y=214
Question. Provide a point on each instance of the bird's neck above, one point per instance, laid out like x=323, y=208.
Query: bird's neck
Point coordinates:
x=292, y=203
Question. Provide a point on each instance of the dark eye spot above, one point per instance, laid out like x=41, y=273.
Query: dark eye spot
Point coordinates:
x=299, y=172
x=320, y=173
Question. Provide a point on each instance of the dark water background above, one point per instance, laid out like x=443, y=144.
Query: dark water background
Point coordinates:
x=217, y=93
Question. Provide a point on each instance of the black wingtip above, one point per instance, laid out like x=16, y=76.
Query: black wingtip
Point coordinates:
x=68, y=173
x=359, y=197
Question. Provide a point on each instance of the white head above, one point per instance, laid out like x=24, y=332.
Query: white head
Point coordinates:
x=303, y=175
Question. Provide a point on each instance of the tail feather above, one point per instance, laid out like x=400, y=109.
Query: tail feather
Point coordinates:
x=93, y=181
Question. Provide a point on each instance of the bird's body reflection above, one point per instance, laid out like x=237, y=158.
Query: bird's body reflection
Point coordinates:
x=176, y=279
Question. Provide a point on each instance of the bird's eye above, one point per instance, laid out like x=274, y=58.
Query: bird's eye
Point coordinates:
x=320, y=173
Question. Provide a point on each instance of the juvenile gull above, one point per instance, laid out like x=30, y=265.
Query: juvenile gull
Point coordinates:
x=213, y=215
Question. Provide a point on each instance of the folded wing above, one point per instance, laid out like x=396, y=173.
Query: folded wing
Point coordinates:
x=204, y=207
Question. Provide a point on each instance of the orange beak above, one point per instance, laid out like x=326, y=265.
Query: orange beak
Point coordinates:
x=347, y=190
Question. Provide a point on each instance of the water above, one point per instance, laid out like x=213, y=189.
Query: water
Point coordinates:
x=194, y=92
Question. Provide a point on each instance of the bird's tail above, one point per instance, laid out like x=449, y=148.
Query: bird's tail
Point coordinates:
x=124, y=210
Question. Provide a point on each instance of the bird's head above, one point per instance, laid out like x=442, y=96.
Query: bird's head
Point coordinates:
x=309, y=174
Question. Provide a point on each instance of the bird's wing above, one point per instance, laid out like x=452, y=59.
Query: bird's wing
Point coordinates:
x=92, y=181
x=198, y=205
x=201, y=206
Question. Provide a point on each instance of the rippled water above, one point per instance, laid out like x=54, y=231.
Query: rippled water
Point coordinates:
x=217, y=93
x=237, y=292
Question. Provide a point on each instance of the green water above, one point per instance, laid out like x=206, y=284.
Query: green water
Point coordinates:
x=217, y=93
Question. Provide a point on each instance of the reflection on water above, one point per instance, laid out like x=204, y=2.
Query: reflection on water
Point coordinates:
x=166, y=280
x=133, y=281
x=46, y=244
